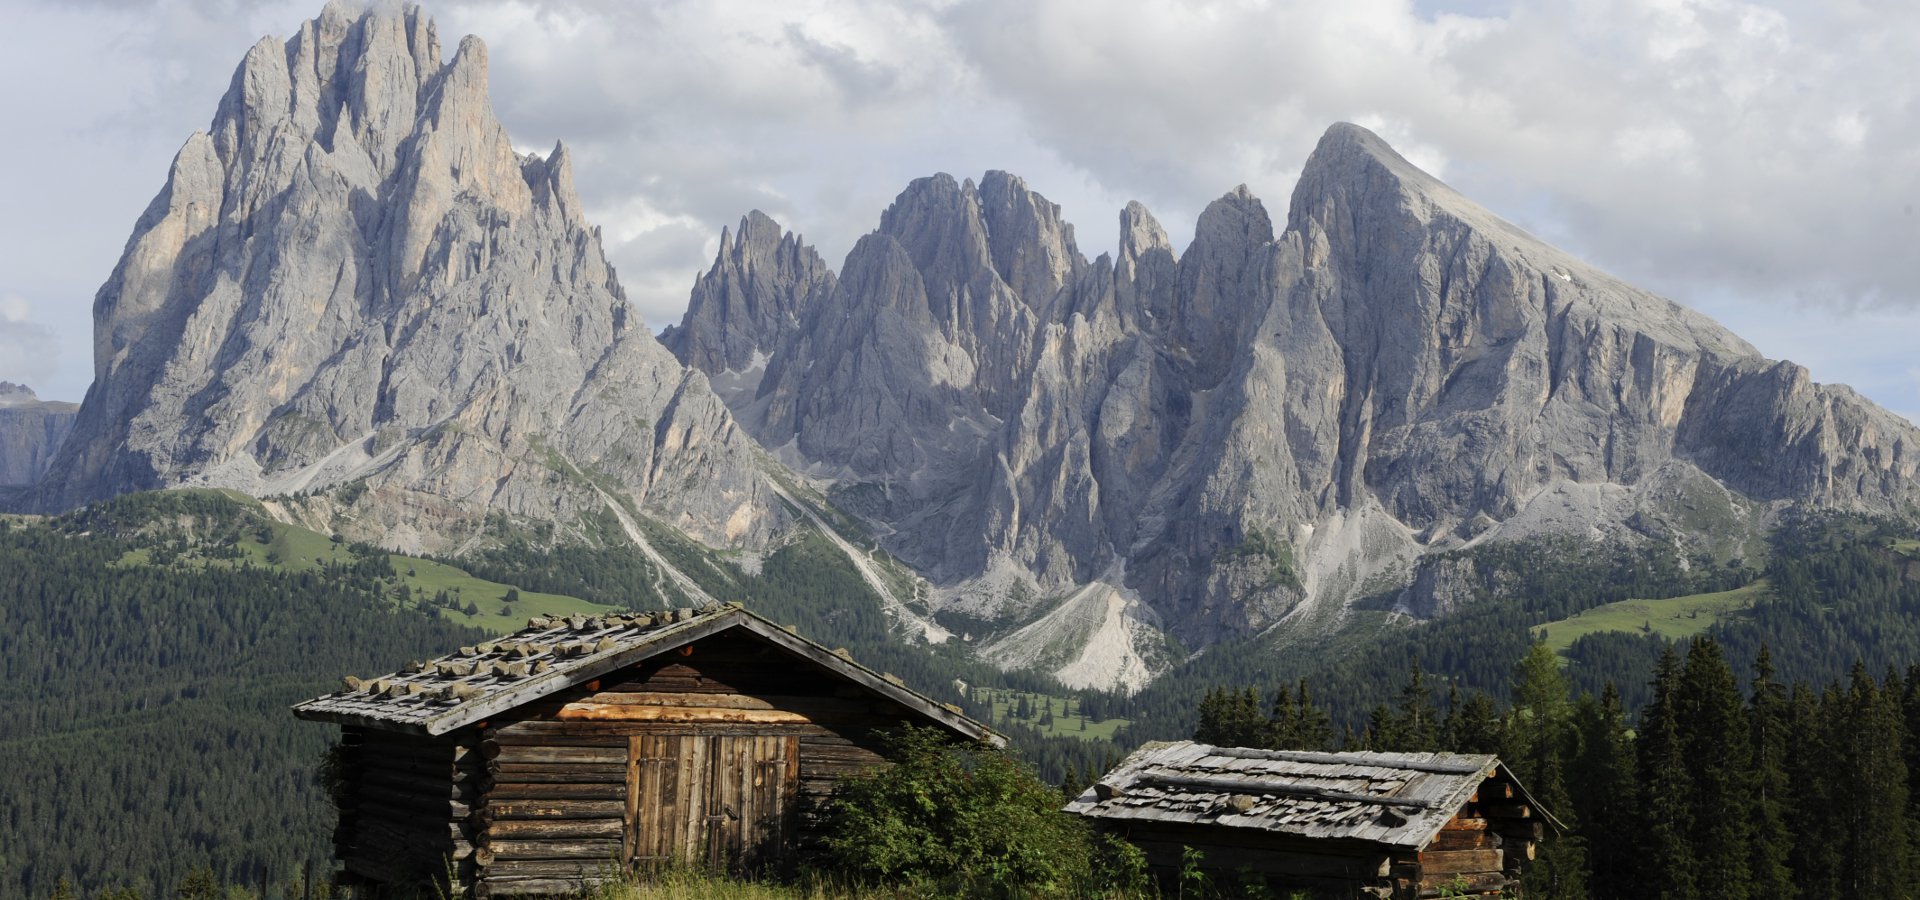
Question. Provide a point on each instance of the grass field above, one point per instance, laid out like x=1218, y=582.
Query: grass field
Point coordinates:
x=295, y=549
x=1672, y=618
x=1908, y=549
x=1067, y=720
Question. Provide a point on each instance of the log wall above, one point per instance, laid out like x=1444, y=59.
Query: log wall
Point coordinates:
x=405, y=817
x=572, y=777
x=1482, y=851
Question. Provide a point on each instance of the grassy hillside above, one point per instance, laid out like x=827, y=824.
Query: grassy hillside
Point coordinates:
x=217, y=540
x=1673, y=618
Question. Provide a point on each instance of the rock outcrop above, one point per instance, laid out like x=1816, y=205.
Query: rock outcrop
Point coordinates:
x=1279, y=420
x=762, y=281
x=352, y=277
x=31, y=430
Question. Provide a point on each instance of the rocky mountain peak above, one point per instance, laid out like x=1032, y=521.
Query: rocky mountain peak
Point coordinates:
x=31, y=431
x=762, y=281
x=16, y=394
x=1032, y=248
x=352, y=277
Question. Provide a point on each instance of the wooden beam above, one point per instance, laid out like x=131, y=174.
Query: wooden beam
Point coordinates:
x=557, y=829
x=606, y=712
x=549, y=808
x=1434, y=861
x=1471, y=882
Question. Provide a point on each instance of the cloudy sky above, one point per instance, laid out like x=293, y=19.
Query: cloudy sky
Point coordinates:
x=1759, y=161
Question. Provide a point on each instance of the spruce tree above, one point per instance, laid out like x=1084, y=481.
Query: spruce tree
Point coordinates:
x=1283, y=721
x=1414, y=725
x=1714, y=741
x=1606, y=799
x=1480, y=729
x=1450, y=723
x=1769, y=787
x=1314, y=723
x=1665, y=863
x=1539, y=742
x=1818, y=790
x=1868, y=737
x=1910, y=717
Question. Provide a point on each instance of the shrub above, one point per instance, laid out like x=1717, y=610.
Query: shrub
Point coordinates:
x=967, y=820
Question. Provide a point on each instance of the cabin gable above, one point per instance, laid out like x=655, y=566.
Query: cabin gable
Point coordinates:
x=717, y=744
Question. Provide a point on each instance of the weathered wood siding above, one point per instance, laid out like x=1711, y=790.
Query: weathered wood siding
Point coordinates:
x=732, y=747
x=1481, y=851
x=405, y=817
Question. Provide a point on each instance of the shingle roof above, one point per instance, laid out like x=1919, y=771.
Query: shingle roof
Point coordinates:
x=557, y=652
x=1396, y=799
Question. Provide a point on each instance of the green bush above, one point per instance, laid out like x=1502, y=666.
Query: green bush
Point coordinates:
x=957, y=819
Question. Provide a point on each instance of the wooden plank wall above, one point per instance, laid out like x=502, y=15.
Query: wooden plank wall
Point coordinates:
x=1229, y=855
x=405, y=820
x=556, y=810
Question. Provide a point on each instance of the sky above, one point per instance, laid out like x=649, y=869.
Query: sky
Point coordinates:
x=1757, y=161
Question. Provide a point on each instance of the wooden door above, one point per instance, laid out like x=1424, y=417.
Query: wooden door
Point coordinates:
x=723, y=800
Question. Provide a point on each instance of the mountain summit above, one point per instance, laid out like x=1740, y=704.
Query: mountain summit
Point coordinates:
x=351, y=277
x=1265, y=427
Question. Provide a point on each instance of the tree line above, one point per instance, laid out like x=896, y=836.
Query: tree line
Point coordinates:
x=1713, y=792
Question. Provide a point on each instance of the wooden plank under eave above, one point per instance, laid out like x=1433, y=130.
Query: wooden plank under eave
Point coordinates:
x=604, y=712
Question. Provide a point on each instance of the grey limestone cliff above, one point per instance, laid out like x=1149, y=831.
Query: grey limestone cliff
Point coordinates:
x=1279, y=419
x=761, y=283
x=31, y=431
x=351, y=276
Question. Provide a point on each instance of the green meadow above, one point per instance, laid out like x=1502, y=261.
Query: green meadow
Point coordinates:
x=1672, y=618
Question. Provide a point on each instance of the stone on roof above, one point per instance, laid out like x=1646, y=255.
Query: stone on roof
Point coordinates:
x=557, y=652
x=1399, y=800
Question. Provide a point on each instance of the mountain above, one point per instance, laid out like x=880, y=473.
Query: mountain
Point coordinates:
x=31, y=430
x=352, y=293
x=1092, y=458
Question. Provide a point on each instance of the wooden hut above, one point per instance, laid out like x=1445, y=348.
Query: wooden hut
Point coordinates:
x=547, y=758
x=1377, y=825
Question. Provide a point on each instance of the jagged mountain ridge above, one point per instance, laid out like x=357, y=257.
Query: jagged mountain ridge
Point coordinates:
x=1268, y=425
x=351, y=277
x=31, y=431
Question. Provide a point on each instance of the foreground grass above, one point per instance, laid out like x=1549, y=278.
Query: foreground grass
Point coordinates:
x=1673, y=618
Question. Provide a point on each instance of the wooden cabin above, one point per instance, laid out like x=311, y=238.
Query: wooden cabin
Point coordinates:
x=1369, y=825
x=551, y=757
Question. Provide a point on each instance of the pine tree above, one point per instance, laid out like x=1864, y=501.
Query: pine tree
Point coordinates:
x=1868, y=738
x=1539, y=737
x=1480, y=729
x=200, y=884
x=1232, y=718
x=1769, y=786
x=1283, y=721
x=1414, y=725
x=1714, y=739
x=1381, y=732
x=1666, y=866
x=1815, y=860
x=1450, y=723
x=1910, y=717
x=1314, y=723
x=1606, y=801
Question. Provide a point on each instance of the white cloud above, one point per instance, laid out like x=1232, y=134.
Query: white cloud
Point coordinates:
x=1704, y=148
x=27, y=347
